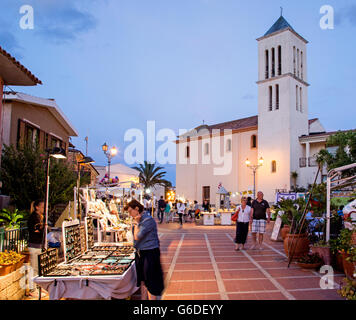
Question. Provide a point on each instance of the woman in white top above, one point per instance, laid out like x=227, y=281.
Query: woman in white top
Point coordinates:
x=180, y=209
x=244, y=215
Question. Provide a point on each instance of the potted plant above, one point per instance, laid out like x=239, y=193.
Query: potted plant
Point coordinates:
x=297, y=239
x=322, y=248
x=11, y=219
x=310, y=261
x=348, y=289
x=335, y=249
x=10, y=261
x=349, y=263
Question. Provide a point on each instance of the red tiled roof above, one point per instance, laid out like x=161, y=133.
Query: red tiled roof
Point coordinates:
x=20, y=66
x=236, y=124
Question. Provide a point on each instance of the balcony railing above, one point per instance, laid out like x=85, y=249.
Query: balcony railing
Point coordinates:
x=16, y=239
x=312, y=162
x=307, y=162
x=302, y=162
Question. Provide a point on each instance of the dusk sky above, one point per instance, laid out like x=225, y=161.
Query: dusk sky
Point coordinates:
x=111, y=65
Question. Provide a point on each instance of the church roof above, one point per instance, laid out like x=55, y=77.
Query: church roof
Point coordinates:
x=279, y=25
x=236, y=124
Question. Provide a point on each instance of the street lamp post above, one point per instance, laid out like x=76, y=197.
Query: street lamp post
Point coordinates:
x=254, y=168
x=109, y=154
x=57, y=153
x=86, y=160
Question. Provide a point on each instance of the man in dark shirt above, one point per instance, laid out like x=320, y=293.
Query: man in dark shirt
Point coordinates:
x=161, y=207
x=259, y=219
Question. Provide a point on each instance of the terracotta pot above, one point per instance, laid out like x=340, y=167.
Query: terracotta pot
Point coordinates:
x=5, y=269
x=284, y=231
x=338, y=262
x=19, y=264
x=324, y=253
x=298, y=242
x=349, y=267
x=309, y=265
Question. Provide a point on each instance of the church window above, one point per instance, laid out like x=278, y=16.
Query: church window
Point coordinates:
x=187, y=152
x=277, y=96
x=279, y=60
x=270, y=98
x=298, y=62
x=253, y=141
x=273, y=63
x=274, y=166
x=294, y=61
x=267, y=64
x=301, y=64
x=296, y=98
x=206, y=147
x=228, y=145
x=301, y=100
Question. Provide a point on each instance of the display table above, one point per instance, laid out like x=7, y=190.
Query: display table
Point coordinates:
x=208, y=219
x=91, y=287
x=226, y=217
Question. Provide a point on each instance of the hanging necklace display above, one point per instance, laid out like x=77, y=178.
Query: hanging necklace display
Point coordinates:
x=71, y=240
x=47, y=261
x=89, y=230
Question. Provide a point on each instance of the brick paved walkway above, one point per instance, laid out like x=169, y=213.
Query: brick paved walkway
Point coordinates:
x=200, y=263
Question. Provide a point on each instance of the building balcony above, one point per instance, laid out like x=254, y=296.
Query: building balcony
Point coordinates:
x=307, y=162
x=302, y=162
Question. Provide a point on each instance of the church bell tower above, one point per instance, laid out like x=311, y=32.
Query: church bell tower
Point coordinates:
x=282, y=105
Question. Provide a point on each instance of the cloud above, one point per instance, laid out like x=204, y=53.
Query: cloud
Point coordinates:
x=63, y=24
x=248, y=96
x=347, y=14
x=10, y=44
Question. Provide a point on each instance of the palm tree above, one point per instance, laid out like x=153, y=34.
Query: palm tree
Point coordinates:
x=150, y=175
x=294, y=176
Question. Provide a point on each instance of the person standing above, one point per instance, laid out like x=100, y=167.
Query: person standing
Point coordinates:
x=244, y=216
x=148, y=255
x=161, y=208
x=167, y=211
x=206, y=206
x=35, y=226
x=259, y=219
x=180, y=211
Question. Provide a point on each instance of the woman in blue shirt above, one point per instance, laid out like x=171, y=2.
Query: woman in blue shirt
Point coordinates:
x=146, y=242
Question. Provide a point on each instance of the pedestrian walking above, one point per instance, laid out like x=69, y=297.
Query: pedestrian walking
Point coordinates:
x=167, y=211
x=147, y=258
x=260, y=217
x=244, y=216
x=161, y=209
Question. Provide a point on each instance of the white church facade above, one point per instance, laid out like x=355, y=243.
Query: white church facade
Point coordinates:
x=281, y=134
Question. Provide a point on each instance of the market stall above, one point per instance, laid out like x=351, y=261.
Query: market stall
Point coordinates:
x=90, y=271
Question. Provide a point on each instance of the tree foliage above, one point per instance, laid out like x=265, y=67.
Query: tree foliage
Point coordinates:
x=150, y=175
x=345, y=150
x=23, y=173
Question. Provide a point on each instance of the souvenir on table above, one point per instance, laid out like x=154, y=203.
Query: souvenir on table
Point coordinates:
x=92, y=195
x=72, y=246
x=47, y=261
x=83, y=240
x=89, y=232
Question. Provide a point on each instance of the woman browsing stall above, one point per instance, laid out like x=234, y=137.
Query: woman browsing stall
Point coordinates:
x=146, y=242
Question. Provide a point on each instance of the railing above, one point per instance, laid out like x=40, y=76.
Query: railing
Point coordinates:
x=312, y=162
x=302, y=162
x=15, y=239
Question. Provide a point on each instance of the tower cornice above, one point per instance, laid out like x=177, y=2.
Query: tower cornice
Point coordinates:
x=281, y=31
x=284, y=76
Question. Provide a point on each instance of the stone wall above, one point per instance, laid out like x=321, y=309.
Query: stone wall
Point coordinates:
x=12, y=285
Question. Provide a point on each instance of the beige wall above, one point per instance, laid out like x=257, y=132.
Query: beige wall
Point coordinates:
x=35, y=114
x=191, y=178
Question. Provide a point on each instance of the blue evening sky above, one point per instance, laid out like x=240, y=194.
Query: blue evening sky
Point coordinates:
x=112, y=65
